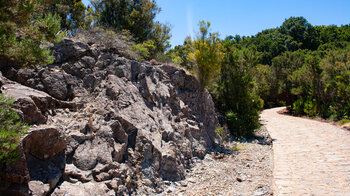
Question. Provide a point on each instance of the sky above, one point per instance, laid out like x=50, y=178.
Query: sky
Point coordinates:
x=246, y=17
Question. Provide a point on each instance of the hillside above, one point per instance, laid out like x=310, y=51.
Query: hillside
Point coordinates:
x=103, y=124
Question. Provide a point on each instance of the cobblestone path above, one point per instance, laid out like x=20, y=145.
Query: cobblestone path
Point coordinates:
x=310, y=157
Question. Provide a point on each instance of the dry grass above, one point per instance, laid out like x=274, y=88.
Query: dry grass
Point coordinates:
x=109, y=39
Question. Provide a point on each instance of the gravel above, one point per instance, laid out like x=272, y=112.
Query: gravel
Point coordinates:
x=245, y=170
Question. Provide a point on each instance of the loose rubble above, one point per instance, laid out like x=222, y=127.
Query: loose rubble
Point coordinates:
x=246, y=170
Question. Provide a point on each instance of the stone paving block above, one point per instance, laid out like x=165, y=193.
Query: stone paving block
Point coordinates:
x=310, y=157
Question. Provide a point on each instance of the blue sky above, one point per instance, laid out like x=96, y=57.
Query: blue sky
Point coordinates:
x=246, y=17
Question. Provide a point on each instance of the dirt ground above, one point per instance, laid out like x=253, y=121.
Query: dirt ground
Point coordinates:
x=245, y=170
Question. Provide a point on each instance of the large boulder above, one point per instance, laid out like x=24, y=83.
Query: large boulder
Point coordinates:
x=69, y=50
x=44, y=143
x=34, y=106
x=40, y=166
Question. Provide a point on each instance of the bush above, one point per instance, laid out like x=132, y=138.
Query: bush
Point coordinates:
x=11, y=129
x=221, y=131
x=207, y=54
x=144, y=50
x=242, y=125
x=24, y=31
x=235, y=93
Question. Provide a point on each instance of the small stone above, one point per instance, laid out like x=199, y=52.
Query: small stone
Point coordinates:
x=102, y=177
x=260, y=191
x=38, y=188
x=171, y=189
x=183, y=184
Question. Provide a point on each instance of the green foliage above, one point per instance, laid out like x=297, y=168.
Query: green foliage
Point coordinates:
x=235, y=93
x=305, y=106
x=73, y=13
x=237, y=147
x=343, y=121
x=144, y=49
x=207, y=54
x=303, y=66
x=183, y=54
x=11, y=130
x=24, y=30
x=281, y=70
x=221, y=132
x=160, y=37
x=136, y=16
x=140, y=49
x=322, y=85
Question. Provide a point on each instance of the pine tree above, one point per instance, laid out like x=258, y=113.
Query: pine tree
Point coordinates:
x=11, y=129
x=207, y=53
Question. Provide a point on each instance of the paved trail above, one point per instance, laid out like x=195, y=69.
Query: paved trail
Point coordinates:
x=310, y=157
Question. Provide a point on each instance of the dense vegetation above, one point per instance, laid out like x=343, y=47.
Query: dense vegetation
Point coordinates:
x=299, y=65
x=27, y=27
x=11, y=129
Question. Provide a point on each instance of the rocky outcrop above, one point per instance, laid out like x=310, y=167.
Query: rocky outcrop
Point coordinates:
x=109, y=125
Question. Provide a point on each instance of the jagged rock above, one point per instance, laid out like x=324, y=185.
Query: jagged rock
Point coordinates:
x=127, y=121
x=90, y=153
x=55, y=84
x=170, y=167
x=113, y=184
x=49, y=172
x=118, y=132
x=38, y=188
x=77, y=69
x=119, y=150
x=31, y=114
x=85, y=158
x=73, y=172
x=90, y=61
x=44, y=143
x=81, y=189
x=69, y=50
x=34, y=105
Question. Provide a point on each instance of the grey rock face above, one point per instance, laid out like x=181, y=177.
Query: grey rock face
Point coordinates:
x=129, y=125
x=69, y=50
x=34, y=106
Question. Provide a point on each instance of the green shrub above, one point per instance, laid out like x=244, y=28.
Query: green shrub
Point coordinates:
x=120, y=41
x=306, y=106
x=144, y=49
x=242, y=125
x=25, y=31
x=310, y=108
x=298, y=107
x=235, y=93
x=11, y=129
x=141, y=50
x=343, y=121
x=221, y=132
